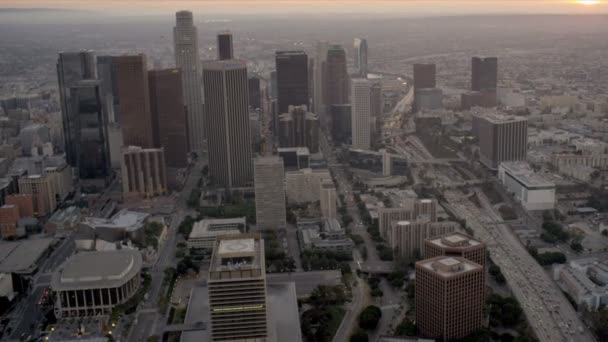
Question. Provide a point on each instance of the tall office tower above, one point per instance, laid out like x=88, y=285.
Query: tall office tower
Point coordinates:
x=228, y=131
x=328, y=199
x=255, y=93
x=387, y=163
x=185, y=38
x=169, y=117
x=132, y=87
x=72, y=67
x=484, y=73
x=502, y=138
x=361, y=57
x=299, y=128
x=269, y=175
x=237, y=289
x=456, y=245
x=319, y=65
x=108, y=89
x=417, y=210
x=292, y=79
x=407, y=237
x=90, y=129
x=341, y=124
x=224, y=46
x=336, y=76
x=449, y=297
x=361, y=113
x=424, y=76
x=376, y=109
x=144, y=172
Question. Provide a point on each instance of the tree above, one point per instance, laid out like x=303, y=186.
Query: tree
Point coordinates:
x=369, y=317
x=406, y=328
x=359, y=336
x=576, y=246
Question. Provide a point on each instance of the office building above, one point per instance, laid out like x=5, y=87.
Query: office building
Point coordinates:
x=483, y=99
x=341, y=124
x=417, y=210
x=328, y=199
x=269, y=187
x=429, y=99
x=361, y=113
x=407, y=237
x=72, y=67
x=224, y=46
x=185, y=39
x=42, y=189
x=228, y=131
x=91, y=147
x=387, y=163
x=424, y=76
x=484, y=74
x=93, y=283
x=205, y=232
x=144, y=172
x=24, y=202
x=304, y=185
x=325, y=235
x=361, y=57
x=110, y=101
x=9, y=216
x=531, y=189
x=237, y=289
x=456, y=245
x=292, y=79
x=133, y=91
x=255, y=92
x=294, y=158
x=449, y=297
x=319, y=78
x=335, y=75
x=169, y=115
x=299, y=128
x=502, y=138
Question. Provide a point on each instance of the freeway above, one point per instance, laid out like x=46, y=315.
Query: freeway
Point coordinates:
x=550, y=315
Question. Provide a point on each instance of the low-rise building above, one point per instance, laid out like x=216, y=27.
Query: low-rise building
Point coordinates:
x=531, y=189
x=327, y=235
x=305, y=185
x=125, y=224
x=578, y=285
x=205, y=232
x=144, y=172
x=93, y=283
x=407, y=238
x=408, y=209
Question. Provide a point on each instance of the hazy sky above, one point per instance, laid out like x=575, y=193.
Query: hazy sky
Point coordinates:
x=352, y=6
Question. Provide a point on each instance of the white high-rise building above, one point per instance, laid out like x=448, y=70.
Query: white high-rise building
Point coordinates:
x=361, y=57
x=185, y=39
x=387, y=163
x=269, y=177
x=361, y=90
x=328, y=199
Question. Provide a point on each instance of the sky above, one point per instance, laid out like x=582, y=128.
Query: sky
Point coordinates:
x=435, y=7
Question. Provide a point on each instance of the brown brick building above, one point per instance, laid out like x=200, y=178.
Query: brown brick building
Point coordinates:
x=9, y=216
x=456, y=245
x=449, y=297
x=24, y=202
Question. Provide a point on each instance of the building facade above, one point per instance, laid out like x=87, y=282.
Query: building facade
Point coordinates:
x=185, y=40
x=269, y=187
x=228, y=127
x=292, y=79
x=419, y=210
x=361, y=113
x=205, y=232
x=532, y=190
x=299, y=128
x=224, y=46
x=336, y=80
x=144, y=172
x=484, y=74
x=456, y=245
x=237, y=289
x=328, y=199
x=502, y=138
x=304, y=185
x=449, y=297
x=407, y=238
x=9, y=216
x=361, y=57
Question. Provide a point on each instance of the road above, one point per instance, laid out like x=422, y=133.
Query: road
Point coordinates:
x=549, y=313
x=149, y=320
x=360, y=300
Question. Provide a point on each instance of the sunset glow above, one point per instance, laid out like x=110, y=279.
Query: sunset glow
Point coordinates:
x=588, y=2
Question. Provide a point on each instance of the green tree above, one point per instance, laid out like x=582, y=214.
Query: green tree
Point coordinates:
x=359, y=336
x=406, y=328
x=369, y=317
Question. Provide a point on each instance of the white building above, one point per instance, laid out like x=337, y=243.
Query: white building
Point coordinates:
x=205, y=232
x=305, y=185
x=387, y=163
x=531, y=189
x=360, y=113
x=269, y=182
x=328, y=199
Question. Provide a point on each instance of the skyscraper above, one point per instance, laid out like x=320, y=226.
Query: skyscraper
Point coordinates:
x=336, y=76
x=361, y=57
x=255, y=92
x=328, y=199
x=132, y=87
x=237, y=289
x=319, y=65
x=107, y=87
x=144, y=171
x=361, y=113
x=292, y=79
x=72, y=67
x=341, y=125
x=299, y=128
x=484, y=73
x=502, y=138
x=228, y=131
x=224, y=46
x=169, y=115
x=449, y=297
x=91, y=146
x=269, y=175
x=424, y=76
x=185, y=38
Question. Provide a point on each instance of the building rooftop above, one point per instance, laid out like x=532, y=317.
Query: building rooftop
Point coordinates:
x=21, y=256
x=332, y=225
x=502, y=118
x=522, y=171
x=214, y=227
x=454, y=240
x=124, y=219
x=232, y=253
x=236, y=248
x=447, y=266
x=300, y=151
x=97, y=270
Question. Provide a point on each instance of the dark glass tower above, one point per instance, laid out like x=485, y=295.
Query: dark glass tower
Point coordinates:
x=292, y=79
